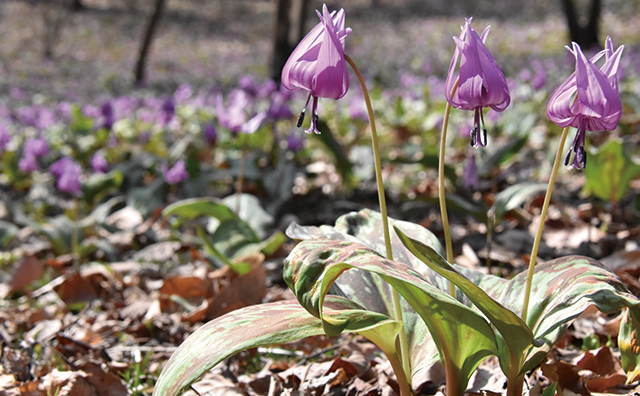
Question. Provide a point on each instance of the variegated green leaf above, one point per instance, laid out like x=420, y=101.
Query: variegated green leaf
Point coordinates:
x=463, y=337
x=517, y=336
x=371, y=291
x=562, y=290
x=259, y=325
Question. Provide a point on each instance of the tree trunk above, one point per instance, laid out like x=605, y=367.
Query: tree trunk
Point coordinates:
x=586, y=36
x=281, y=47
x=139, y=76
x=76, y=5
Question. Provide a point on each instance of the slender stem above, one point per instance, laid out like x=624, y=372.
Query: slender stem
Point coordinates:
x=543, y=217
x=74, y=232
x=397, y=314
x=441, y=195
x=240, y=181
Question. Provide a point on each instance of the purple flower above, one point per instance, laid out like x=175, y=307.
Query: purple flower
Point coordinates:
x=470, y=174
x=99, y=164
x=278, y=107
x=481, y=82
x=248, y=84
x=266, y=89
x=540, y=76
x=233, y=117
x=167, y=111
x=318, y=64
x=106, y=111
x=588, y=100
x=67, y=173
x=36, y=147
x=175, y=174
x=28, y=115
x=183, y=93
x=210, y=134
x=46, y=119
x=5, y=137
x=91, y=111
x=28, y=163
x=294, y=142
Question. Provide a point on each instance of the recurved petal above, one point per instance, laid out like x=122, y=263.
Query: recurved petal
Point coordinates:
x=482, y=83
x=611, y=66
x=297, y=72
x=496, y=93
x=331, y=74
x=559, y=105
x=596, y=97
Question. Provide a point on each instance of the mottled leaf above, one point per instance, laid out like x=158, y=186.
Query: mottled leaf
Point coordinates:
x=371, y=291
x=517, y=336
x=258, y=325
x=463, y=337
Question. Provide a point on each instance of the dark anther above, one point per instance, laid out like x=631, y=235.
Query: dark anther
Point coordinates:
x=300, y=118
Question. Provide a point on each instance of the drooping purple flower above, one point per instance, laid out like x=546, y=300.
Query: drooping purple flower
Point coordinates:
x=67, y=173
x=266, y=89
x=588, y=100
x=470, y=174
x=278, y=107
x=481, y=82
x=318, y=64
x=106, y=111
x=99, y=163
x=233, y=116
x=210, y=134
x=175, y=174
x=294, y=142
x=248, y=84
x=167, y=111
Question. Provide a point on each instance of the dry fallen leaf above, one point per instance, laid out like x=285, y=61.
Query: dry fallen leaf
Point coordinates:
x=26, y=270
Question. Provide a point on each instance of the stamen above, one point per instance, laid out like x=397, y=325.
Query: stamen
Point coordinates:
x=302, y=113
x=314, y=117
x=300, y=118
x=484, y=130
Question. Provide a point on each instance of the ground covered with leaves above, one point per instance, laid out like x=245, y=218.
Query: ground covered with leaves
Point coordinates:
x=100, y=288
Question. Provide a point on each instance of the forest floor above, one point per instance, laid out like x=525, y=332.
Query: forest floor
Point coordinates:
x=108, y=329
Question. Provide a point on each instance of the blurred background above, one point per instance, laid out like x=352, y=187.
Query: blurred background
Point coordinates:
x=90, y=49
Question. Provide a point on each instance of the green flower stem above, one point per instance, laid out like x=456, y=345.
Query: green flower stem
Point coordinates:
x=74, y=232
x=240, y=181
x=397, y=314
x=441, y=194
x=543, y=217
